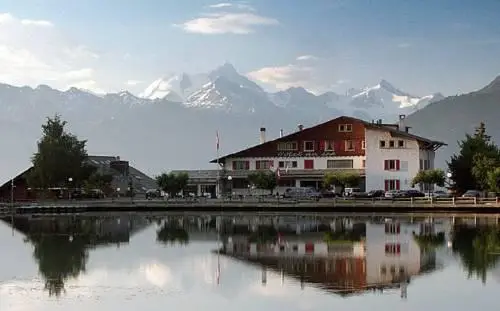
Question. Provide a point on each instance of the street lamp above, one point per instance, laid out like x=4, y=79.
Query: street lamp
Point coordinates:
x=70, y=180
x=229, y=179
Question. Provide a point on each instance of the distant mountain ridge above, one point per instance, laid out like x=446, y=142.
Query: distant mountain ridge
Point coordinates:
x=224, y=88
x=158, y=133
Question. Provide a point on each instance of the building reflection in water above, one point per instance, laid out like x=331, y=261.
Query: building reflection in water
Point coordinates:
x=342, y=256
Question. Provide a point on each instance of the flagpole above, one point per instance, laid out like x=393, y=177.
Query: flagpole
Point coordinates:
x=217, y=184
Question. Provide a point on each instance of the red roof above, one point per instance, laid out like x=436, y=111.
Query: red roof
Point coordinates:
x=383, y=127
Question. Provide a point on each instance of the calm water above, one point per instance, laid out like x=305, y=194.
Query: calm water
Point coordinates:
x=251, y=263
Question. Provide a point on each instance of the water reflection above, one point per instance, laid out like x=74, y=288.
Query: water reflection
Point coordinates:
x=339, y=256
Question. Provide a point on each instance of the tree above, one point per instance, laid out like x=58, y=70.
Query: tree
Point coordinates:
x=60, y=156
x=100, y=181
x=481, y=167
x=172, y=183
x=429, y=177
x=263, y=180
x=461, y=165
x=343, y=179
x=494, y=180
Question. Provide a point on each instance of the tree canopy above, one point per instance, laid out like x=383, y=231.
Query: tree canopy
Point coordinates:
x=264, y=180
x=172, y=183
x=60, y=156
x=429, y=177
x=477, y=156
x=343, y=179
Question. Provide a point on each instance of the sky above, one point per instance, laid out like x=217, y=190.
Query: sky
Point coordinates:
x=420, y=46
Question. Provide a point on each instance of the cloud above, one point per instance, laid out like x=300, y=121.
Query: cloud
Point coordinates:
x=133, y=82
x=283, y=77
x=306, y=57
x=240, y=6
x=34, y=52
x=227, y=22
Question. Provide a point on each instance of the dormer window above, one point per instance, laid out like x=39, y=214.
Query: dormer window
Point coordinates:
x=345, y=127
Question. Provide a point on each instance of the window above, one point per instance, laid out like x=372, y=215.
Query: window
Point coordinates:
x=382, y=144
x=345, y=127
x=339, y=164
x=364, y=163
x=349, y=145
x=363, y=145
x=287, y=164
x=308, y=164
x=264, y=164
x=309, y=146
x=391, y=165
x=392, y=184
x=392, y=228
x=288, y=146
x=393, y=249
x=241, y=165
x=401, y=143
x=329, y=145
x=391, y=143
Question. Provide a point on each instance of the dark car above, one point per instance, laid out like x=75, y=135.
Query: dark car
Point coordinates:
x=471, y=194
x=375, y=194
x=413, y=194
x=327, y=193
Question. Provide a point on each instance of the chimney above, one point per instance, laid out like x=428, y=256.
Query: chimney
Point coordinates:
x=281, y=133
x=300, y=127
x=401, y=123
x=262, y=135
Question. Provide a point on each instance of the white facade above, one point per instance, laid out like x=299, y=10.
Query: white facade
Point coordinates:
x=382, y=266
x=406, y=151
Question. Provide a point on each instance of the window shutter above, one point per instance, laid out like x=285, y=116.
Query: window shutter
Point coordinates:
x=234, y=165
x=398, y=228
x=397, y=165
x=386, y=185
x=321, y=145
x=387, y=228
x=247, y=165
x=397, y=184
x=257, y=165
x=386, y=165
x=337, y=146
x=398, y=248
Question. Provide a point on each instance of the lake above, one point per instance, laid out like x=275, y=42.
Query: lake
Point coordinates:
x=249, y=262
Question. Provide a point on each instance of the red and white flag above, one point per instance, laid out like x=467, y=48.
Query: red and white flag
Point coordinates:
x=217, y=139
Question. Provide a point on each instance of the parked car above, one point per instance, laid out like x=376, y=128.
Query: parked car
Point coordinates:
x=438, y=194
x=153, y=194
x=302, y=193
x=325, y=193
x=375, y=194
x=349, y=191
x=392, y=194
x=471, y=194
x=413, y=194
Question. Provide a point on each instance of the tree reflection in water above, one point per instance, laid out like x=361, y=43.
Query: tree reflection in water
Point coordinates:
x=59, y=258
x=171, y=232
x=478, y=248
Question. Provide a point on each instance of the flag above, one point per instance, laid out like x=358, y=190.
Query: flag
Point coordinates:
x=217, y=139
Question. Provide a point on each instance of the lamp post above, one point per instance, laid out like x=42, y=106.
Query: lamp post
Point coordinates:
x=70, y=180
x=12, y=193
x=229, y=179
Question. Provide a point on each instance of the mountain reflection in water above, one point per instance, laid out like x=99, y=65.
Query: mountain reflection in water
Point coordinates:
x=340, y=255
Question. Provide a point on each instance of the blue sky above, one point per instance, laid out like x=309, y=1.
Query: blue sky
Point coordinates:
x=420, y=46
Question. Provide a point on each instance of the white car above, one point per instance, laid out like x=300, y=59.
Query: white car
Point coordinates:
x=438, y=194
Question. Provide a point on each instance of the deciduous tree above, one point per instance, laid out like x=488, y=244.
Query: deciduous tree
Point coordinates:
x=263, y=180
x=172, y=183
x=343, y=179
x=429, y=177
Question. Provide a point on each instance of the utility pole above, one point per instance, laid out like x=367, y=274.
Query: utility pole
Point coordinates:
x=12, y=193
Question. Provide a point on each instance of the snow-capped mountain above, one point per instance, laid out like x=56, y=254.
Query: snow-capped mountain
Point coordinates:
x=225, y=89
x=192, y=106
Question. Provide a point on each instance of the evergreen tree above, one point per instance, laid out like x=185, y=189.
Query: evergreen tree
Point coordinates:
x=60, y=156
x=461, y=165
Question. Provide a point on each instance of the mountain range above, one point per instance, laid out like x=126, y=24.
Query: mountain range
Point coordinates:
x=172, y=124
